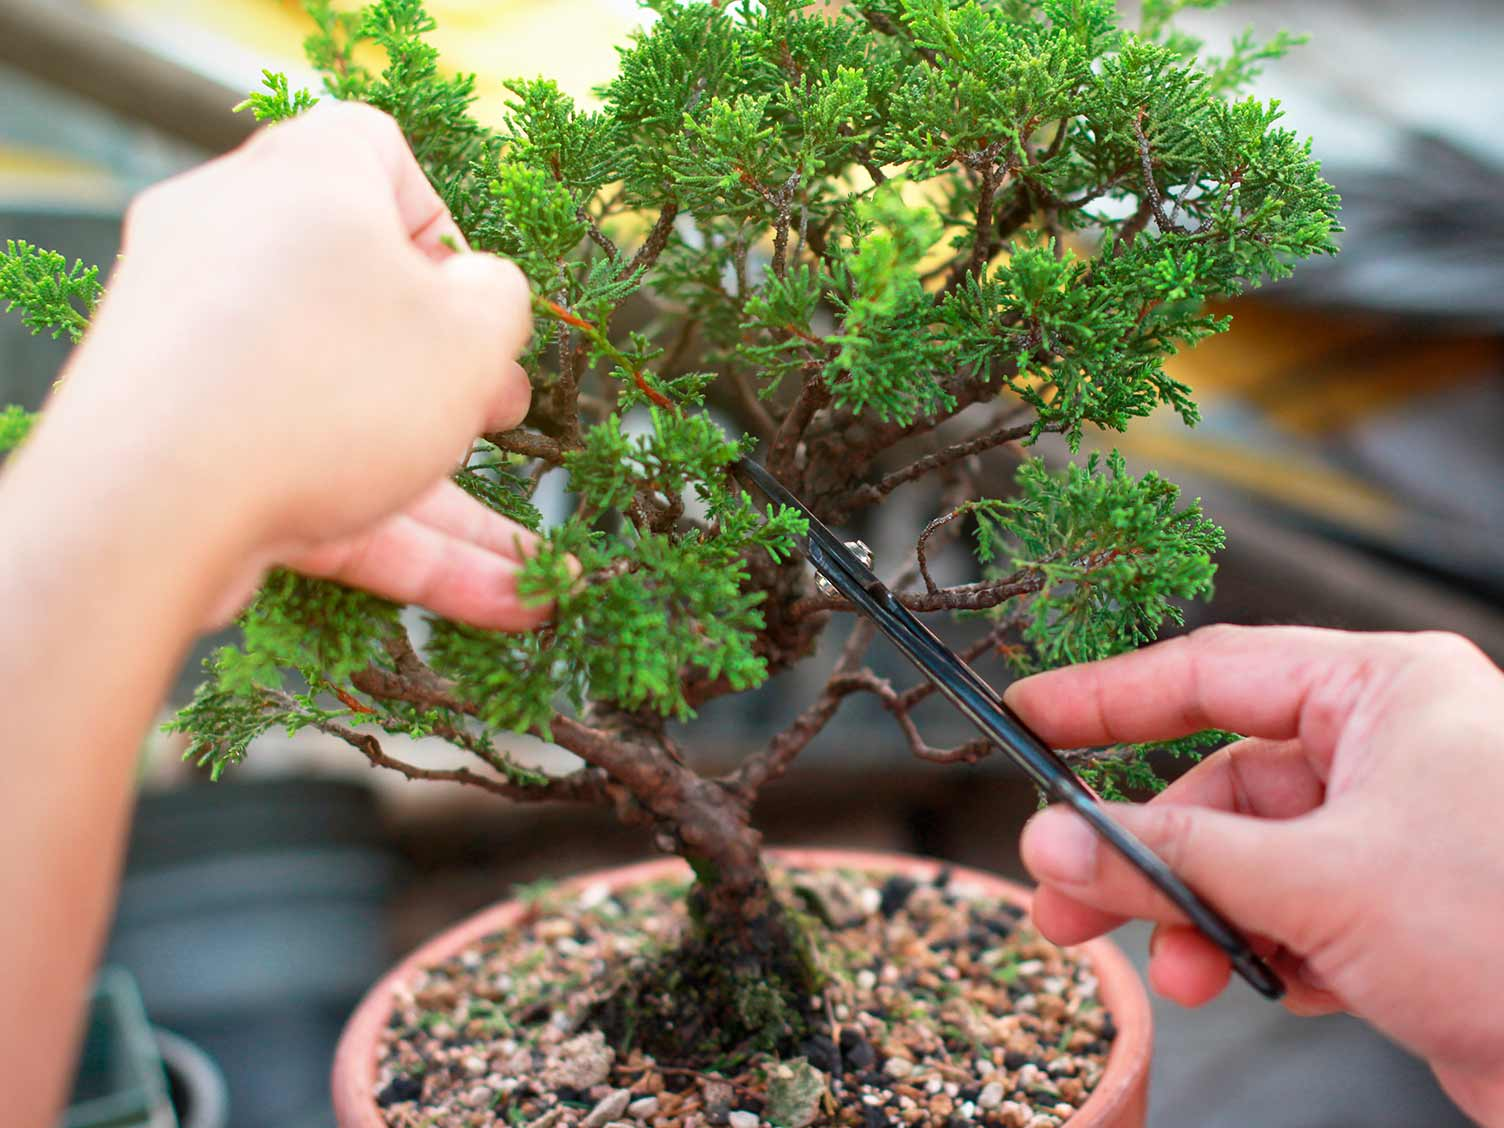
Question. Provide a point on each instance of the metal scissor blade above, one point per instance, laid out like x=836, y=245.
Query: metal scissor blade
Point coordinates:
x=970, y=693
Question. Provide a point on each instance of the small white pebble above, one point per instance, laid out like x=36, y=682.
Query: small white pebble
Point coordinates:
x=968, y=1110
x=870, y=899
x=1064, y=1109
x=889, y=974
x=479, y=1097
x=952, y=1089
x=933, y=1086
x=991, y=1095
x=609, y=1108
x=743, y=1120
x=898, y=1068
x=1030, y=967
x=1053, y=985
x=475, y=1066
x=594, y=895
x=866, y=980
x=985, y=1068
x=843, y=1013
x=1028, y=1004
x=645, y=1109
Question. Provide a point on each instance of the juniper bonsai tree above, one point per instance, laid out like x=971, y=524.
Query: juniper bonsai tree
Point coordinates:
x=835, y=233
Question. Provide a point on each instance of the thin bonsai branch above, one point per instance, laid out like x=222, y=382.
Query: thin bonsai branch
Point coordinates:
x=586, y=785
x=656, y=241
x=1151, y=185
x=1004, y=431
x=983, y=247
x=841, y=445
x=921, y=547
x=783, y=201
x=979, y=596
x=597, y=236
x=847, y=679
x=529, y=444
x=814, y=395
x=759, y=419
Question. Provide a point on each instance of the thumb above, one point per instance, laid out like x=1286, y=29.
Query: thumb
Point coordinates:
x=1266, y=876
x=489, y=320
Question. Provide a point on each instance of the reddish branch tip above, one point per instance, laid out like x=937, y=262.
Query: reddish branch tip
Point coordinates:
x=564, y=315
x=653, y=393
x=352, y=703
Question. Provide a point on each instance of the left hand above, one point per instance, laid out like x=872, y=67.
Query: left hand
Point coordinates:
x=291, y=358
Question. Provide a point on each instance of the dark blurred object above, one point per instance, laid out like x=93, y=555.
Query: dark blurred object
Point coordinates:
x=253, y=916
x=195, y=1083
x=64, y=44
x=119, y=1082
x=1424, y=238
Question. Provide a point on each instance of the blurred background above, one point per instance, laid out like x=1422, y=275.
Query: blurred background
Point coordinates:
x=1353, y=447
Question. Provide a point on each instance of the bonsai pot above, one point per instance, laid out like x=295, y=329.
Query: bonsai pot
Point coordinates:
x=1118, y=1101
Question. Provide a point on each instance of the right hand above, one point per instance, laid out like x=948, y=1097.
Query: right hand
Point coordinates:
x=1357, y=829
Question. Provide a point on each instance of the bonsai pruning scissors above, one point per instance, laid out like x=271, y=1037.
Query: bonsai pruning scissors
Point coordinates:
x=969, y=693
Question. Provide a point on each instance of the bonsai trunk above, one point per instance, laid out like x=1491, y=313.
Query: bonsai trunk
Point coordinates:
x=742, y=979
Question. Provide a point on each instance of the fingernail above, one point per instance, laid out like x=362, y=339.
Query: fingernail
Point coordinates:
x=1058, y=846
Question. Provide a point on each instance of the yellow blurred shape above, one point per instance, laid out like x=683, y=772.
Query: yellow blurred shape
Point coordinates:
x=1302, y=483
x=1314, y=372
x=571, y=41
x=37, y=174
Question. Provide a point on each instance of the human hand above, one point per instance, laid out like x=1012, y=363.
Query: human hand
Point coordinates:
x=1356, y=830
x=290, y=352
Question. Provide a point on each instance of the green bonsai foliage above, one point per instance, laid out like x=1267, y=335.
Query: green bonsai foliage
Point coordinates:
x=819, y=236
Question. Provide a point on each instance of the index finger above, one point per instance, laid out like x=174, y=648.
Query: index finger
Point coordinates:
x=1273, y=682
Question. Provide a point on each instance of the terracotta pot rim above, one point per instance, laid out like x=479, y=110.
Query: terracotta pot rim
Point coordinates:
x=1123, y=1082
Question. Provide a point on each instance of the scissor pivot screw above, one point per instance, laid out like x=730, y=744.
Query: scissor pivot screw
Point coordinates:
x=862, y=553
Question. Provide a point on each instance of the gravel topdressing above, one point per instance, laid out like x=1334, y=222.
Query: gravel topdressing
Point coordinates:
x=942, y=1009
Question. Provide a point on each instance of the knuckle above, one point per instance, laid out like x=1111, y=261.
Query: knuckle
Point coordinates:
x=143, y=211
x=1174, y=833
x=1447, y=647
x=1214, y=634
x=1338, y=695
x=354, y=123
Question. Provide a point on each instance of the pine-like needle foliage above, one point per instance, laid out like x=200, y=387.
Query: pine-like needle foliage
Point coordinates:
x=832, y=232
x=53, y=297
